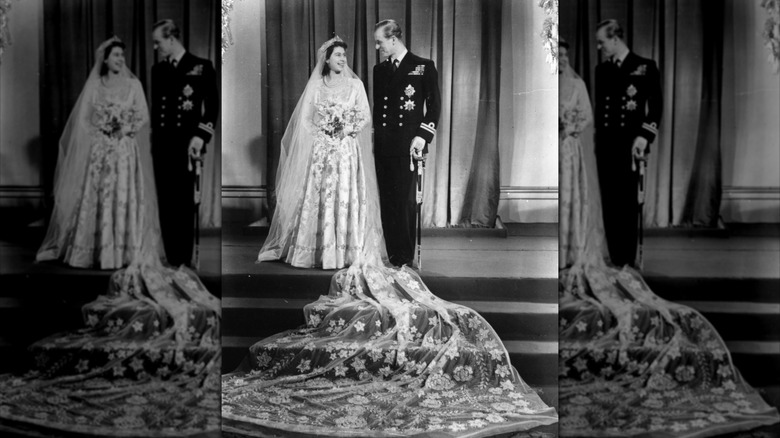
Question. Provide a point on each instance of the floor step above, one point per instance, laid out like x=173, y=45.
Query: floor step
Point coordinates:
x=309, y=286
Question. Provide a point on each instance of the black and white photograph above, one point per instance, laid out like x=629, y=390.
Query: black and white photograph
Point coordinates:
x=670, y=205
x=109, y=191
x=389, y=192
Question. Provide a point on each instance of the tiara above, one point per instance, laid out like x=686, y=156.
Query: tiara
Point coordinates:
x=329, y=43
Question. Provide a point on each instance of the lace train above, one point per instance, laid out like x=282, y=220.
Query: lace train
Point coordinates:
x=382, y=356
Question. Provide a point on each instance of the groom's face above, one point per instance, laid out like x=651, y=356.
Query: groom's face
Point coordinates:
x=386, y=46
x=164, y=46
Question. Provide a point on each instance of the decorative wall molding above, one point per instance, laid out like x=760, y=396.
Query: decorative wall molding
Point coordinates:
x=507, y=192
x=25, y=192
x=748, y=193
x=746, y=204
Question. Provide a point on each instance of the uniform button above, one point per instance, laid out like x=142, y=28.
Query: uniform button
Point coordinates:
x=163, y=107
x=402, y=98
x=606, y=116
x=400, y=124
x=384, y=124
x=385, y=97
x=385, y=106
x=162, y=115
x=607, y=97
x=384, y=115
x=178, y=124
x=401, y=107
x=401, y=116
x=622, y=124
x=607, y=107
x=178, y=115
x=162, y=124
x=622, y=116
x=624, y=97
x=163, y=97
x=606, y=124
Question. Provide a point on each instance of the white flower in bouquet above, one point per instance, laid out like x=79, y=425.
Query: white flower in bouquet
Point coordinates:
x=114, y=121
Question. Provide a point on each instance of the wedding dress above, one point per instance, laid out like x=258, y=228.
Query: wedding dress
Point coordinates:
x=380, y=354
x=147, y=363
x=104, y=189
x=631, y=363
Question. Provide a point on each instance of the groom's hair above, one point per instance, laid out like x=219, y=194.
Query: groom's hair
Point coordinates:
x=390, y=28
x=613, y=28
x=169, y=28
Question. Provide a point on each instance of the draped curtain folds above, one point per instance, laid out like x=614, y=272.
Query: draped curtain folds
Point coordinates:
x=685, y=38
x=72, y=31
x=463, y=37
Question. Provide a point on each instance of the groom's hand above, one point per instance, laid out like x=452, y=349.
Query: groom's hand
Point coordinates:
x=196, y=146
x=418, y=143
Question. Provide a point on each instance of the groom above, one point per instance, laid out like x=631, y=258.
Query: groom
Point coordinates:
x=184, y=114
x=628, y=111
x=406, y=112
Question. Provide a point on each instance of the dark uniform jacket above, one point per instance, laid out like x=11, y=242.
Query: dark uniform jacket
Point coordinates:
x=184, y=100
x=628, y=101
x=407, y=104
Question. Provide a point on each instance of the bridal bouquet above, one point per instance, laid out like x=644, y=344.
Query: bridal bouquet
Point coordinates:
x=571, y=121
x=338, y=121
x=115, y=121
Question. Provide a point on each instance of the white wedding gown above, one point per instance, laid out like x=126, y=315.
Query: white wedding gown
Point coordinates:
x=631, y=363
x=380, y=354
x=147, y=362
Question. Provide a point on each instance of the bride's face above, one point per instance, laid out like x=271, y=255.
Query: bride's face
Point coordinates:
x=115, y=60
x=563, y=58
x=337, y=60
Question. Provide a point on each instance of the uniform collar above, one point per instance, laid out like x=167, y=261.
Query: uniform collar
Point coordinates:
x=177, y=58
x=621, y=58
x=400, y=57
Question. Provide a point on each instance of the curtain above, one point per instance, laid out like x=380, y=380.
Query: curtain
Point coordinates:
x=685, y=38
x=463, y=37
x=73, y=29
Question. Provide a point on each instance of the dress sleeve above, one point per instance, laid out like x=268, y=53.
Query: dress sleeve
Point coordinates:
x=585, y=117
x=310, y=114
x=140, y=108
x=361, y=104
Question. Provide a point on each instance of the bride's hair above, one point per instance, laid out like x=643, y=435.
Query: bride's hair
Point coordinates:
x=107, y=53
x=328, y=52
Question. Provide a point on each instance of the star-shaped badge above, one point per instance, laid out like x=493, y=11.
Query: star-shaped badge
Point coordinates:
x=631, y=105
x=409, y=105
x=409, y=91
x=187, y=91
x=631, y=91
x=187, y=105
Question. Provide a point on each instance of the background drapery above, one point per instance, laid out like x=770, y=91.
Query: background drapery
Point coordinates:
x=73, y=29
x=491, y=73
x=686, y=38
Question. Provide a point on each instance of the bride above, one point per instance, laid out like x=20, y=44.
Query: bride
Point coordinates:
x=327, y=206
x=147, y=364
x=105, y=207
x=630, y=362
x=380, y=354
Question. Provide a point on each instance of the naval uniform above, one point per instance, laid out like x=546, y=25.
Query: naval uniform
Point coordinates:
x=407, y=103
x=184, y=105
x=628, y=105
